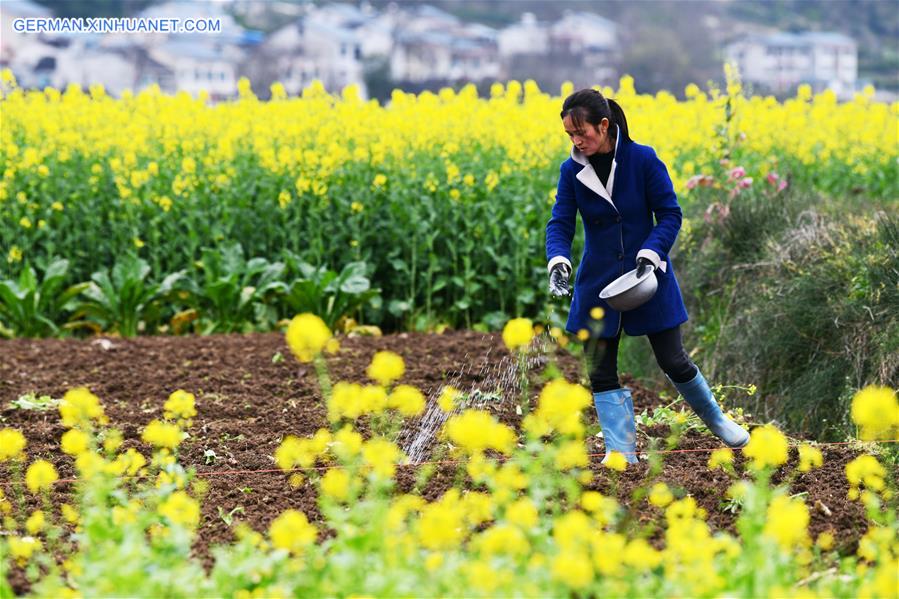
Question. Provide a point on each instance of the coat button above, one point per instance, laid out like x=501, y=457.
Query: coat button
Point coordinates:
x=620, y=256
x=596, y=221
x=618, y=219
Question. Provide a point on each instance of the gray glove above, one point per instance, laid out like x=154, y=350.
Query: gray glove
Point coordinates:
x=558, y=280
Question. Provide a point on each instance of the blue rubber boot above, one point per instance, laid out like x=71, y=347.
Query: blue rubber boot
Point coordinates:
x=615, y=409
x=699, y=396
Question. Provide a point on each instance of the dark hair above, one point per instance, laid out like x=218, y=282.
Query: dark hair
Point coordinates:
x=591, y=106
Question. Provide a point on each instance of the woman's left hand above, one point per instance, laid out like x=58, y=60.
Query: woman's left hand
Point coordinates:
x=642, y=264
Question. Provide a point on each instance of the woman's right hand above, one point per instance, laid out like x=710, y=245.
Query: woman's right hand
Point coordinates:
x=558, y=280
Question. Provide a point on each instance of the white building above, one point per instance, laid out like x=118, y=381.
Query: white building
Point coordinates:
x=433, y=46
x=11, y=41
x=197, y=67
x=580, y=32
x=781, y=61
x=528, y=36
x=309, y=49
x=32, y=58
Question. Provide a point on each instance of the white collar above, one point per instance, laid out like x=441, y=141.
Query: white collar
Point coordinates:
x=588, y=176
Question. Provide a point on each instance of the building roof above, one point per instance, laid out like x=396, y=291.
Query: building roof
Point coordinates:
x=799, y=40
x=341, y=33
x=591, y=18
x=828, y=37
x=432, y=12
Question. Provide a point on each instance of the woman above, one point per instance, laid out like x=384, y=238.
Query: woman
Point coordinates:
x=617, y=185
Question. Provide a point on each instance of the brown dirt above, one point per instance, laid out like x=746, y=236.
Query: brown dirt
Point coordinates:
x=247, y=402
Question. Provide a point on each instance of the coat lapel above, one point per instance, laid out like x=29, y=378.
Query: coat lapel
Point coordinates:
x=588, y=176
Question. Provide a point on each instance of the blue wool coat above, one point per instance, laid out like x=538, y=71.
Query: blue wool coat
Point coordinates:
x=618, y=228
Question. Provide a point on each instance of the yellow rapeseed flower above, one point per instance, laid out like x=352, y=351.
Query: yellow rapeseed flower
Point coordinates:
x=787, y=521
x=382, y=455
x=608, y=550
x=386, y=367
x=36, y=522
x=12, y=442
x=79, y=407
x=501, y=539
x=22, y=548
x=477, y=430
x=809, y=457
x=74, y=442
x=180, y=508
x=571, y=454
x=292, y=531
x=336, y=483
x=440, y=524
x=572, y=530
x=572, y=569
x=721, y=457
x=40, y=475
x=295, y=452
x=162, y=434
x=518, y=333
x=560, y=407
x=113, y=440
x=865, y=469
x=14, y=254
x=447, y=399
x=407, y=400
x=640, y=555
x=591, y=500
x=69, y=513
x=825, y=541
x=767, y=447
x=616, y=461
x=180, y=405
x=660, y=495
x=284, y=199
x=347, y=442
x=89, y=464
x=522, y=512
x=351, y=400
x=307, y=335
x=875, y=409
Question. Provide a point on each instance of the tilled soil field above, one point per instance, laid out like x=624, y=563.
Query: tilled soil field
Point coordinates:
x=250, y=393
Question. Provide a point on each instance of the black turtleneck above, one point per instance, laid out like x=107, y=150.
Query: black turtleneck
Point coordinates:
x=602, y=164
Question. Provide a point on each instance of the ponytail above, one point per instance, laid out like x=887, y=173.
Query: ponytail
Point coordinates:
x=619, y=119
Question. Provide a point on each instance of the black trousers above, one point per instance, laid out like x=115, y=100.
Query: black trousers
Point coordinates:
x=668, y=347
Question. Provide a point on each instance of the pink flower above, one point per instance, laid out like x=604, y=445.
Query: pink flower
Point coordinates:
x=736, y=173
x=782, y=185
x=772, y=178
x=707, y=180
x=693, y=181
x=747, y=182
